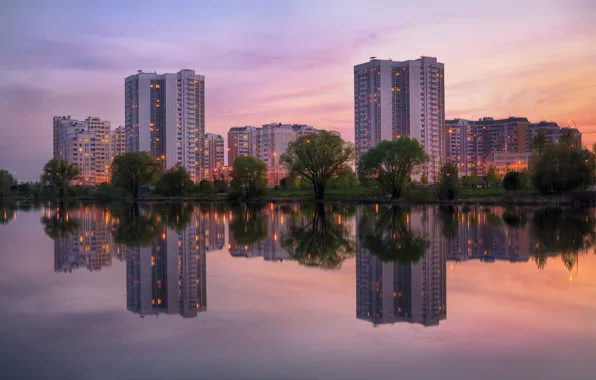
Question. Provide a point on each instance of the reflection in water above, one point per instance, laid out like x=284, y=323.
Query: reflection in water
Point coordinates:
x=401, y=286
x=7, y=213
x=318, y=236
x=401, y=253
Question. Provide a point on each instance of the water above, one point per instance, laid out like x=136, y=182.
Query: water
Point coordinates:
x=296, y=292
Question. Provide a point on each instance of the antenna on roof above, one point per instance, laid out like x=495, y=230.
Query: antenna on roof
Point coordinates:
x=373, y=58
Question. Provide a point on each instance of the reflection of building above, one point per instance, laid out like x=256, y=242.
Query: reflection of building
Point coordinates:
x=394, y=99
x=212, y=228
x=270, y=247
x=393, y=292
x=482, y=235
x=169, y=276
x=91, y=245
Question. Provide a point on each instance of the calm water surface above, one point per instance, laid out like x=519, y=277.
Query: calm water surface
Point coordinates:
x=296, y=292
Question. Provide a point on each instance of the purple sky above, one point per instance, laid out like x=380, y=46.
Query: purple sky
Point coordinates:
x=288, y=61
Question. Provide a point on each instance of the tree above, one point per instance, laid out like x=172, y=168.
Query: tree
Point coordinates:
x=134, y=169
x=561, y=168
x=424, y=179
x=318, y=238
x=391, y=164
x=345, y=180
x=514, y=181
x=389, y=238
x=174, y=182
x=448, y=182
x=318, y=158
x=492, y=178
x=204, y=187
x=6, y=181
x=59, y=174
x=219, y=186
x=135, y=228
x=567, y=137
x=538, y=143
x=249, y=177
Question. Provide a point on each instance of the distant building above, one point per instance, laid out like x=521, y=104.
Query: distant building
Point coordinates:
x=86, y=144
x=213, y=156
x=267, y=143
x=117, y=142
x=165, y=116
x=242, y=141
x=505, y=162
x=394, y=99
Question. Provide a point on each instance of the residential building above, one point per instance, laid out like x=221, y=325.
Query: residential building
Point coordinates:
x=242, y=141
x=117, y=142
x=390, y=292
x=551, y=131
x=85, y=143
x=165, y=116
x=213, y=156
x=465, y=146
x=505, y=162
x=267, y=143
x=394, y=99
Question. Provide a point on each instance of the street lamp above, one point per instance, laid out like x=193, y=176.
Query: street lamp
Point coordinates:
x=575, y=125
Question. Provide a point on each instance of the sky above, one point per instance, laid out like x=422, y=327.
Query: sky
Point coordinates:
x=287, y=61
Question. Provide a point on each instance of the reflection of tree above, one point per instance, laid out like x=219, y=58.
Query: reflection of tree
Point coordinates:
x=318, y=237
x=59, y=224
x=563, y=233
x=175, y=215
x=448, y=219
x=389, y=237
x=248, y=225
x=133, y=227
x=515, y=218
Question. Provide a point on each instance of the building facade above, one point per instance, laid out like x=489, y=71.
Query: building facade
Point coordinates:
x=165, y=116
x=213, y=156
x=86, y=144
x=242, y=141
x=117, y=142
x=394, y=99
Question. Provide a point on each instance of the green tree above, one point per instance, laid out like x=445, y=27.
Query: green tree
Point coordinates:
x=346, y=180
x=219, y=186
x=134, y=169
x=318, y=238
x=59, y=175
x=514, y=181
x=561, y=168
x=318, y=158
x=249, y=177
x=424, y=179
x=539, y=143
x=389, y=238
x=204, y=187
x=391, y=163
x=492, y=178
x=248, y=225
x=6, y=181
x=448, y=182
x=174, y=182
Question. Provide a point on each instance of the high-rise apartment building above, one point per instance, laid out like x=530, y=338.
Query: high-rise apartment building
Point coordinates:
x=242, y=141
x=213, y=156
x=85, y=143
x=394, y=99
x=165, y=116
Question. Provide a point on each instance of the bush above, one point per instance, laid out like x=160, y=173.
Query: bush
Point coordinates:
x=514, y=181
x=219, y=186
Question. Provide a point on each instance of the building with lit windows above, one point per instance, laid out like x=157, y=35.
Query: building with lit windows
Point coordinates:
x=394, y=99
x=86, y=144
x=267, y=143
x=165, y=116
x=389, y=292
x=213, y=156
x=117, y=142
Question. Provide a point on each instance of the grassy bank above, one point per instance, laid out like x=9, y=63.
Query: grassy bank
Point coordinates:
x=365, y=195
